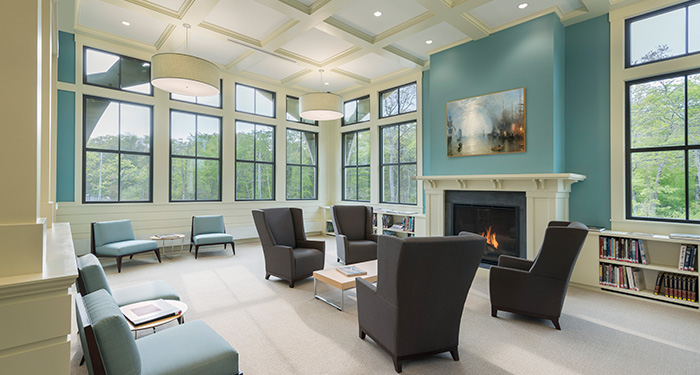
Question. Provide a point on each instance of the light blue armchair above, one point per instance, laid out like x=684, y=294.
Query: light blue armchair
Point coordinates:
x=110, y=348
x=209, y=230
x=91, y=277
x=116, y=239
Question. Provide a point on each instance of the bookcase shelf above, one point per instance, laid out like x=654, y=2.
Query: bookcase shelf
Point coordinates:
x=401, y=224
x=662, y=256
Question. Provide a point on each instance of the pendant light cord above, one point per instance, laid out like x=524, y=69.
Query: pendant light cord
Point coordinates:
x=187, y=37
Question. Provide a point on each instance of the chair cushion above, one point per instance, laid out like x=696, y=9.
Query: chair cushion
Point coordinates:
x=92, y=274
x=306, y=261
x=118, y=349
x=126, y=247
x=113, y=231
x=146, y=291
x=281, y=224
x=212, y=238
x=208, y=224
x=351, y=221
x=192, y=348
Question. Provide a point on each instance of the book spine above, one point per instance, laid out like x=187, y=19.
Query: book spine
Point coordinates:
x=666, y=285
x=642, y=251
x=657, y=284
x=681, y=258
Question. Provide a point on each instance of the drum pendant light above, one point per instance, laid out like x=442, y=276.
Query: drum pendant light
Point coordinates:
x=185, y=74
x=321, y=106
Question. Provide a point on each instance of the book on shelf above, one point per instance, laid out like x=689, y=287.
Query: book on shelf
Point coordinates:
x=351, y=271
x=659, y=281
x=151, y=310
x=681, y=257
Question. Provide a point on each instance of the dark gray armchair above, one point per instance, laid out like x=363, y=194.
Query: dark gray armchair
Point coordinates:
x=537, y=287
x=422, y=284
x=288, y=254
x=353, y=233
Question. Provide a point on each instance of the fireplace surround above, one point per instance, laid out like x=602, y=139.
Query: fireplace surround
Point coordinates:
x=546, y=199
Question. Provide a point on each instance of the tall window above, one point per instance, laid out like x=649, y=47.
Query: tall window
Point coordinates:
x=356, y=110
x=663, y=148
x=255, y=161
x=255, y=101
x=668, y=33
x=302, y=164
x=356, y=159
x=398, y=100
x=209, y=101
x=293, y=111
x=398, y=164
x=117, y=158
x=118, y=72
x=195, y=157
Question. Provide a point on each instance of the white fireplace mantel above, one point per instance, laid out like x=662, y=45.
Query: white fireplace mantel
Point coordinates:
x=547, y=198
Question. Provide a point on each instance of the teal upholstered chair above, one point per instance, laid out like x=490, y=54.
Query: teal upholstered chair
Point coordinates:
x=209, y=230
x=91, y=277
x=110, y=348
x=116, y=239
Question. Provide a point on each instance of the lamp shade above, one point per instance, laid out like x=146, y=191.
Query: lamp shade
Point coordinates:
x=184, y=74
x=321, y=106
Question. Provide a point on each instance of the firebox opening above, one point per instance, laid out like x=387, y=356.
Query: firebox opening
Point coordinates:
x=500, y=226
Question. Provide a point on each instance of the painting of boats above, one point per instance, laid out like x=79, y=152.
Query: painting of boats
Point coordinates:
x=487, y=124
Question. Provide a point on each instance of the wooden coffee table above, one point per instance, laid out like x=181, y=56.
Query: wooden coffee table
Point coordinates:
x=156, y=323
x=337, y=280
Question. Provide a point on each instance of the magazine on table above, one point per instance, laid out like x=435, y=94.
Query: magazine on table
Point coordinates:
x=351, y=271
x=150, y=311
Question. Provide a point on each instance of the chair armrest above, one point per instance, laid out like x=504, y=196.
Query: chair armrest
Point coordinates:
x=375, y=315
x=312, y=244
x=371, y=237
x=361, y=283
x=514, y=262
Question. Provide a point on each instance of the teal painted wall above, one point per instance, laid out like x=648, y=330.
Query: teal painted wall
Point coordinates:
x=66, y=57
x=588, y=119
x=528, y=55
x=65, y=147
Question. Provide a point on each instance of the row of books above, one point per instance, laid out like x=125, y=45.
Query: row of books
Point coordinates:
x=688, y=257
x=622, y=277
x=677, y=286
x=409, y=223
x=623, y=249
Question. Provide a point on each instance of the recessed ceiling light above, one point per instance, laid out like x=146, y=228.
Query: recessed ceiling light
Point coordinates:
x=326, y=83
x=378, y=13
x=523, y=5
x=429, y=41
x=126, y=23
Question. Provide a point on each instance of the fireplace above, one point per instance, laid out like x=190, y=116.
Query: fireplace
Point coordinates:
x=498, y=216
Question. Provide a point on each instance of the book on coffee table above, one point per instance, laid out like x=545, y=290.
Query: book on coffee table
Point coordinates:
x=153, y=310
x=351, y=271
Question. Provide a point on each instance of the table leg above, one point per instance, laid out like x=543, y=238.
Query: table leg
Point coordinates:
x=318, y=297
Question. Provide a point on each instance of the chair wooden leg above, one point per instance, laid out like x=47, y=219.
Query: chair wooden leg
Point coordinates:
x=131, y=256
x=196, y=251
x=157, y=254
x=291, y=284
x=494, y=312
x=267, y=276
x=82, y=361
x=397, y=364
x=233, y=248
x=455, y=353
x=556, y=323
x=190, y=248
x=119, y=264
x=362, y=334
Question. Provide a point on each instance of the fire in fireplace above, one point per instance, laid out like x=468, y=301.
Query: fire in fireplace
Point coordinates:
x=500, y=226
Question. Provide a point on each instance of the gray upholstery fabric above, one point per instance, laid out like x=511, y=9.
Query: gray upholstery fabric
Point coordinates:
x=353, y=233
x=538, y=287
x=288, y=254
x=422, y=284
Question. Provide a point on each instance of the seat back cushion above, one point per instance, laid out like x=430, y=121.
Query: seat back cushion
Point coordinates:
x=208, y=224
x=92, y=274
x=280, y=222
x=350, y=221
x=113, y=231
x=115, y=341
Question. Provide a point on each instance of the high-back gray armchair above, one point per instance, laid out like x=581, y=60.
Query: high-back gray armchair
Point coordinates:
x=288, y=254
x=422, y=284
x=537, y=287
x=353, y=233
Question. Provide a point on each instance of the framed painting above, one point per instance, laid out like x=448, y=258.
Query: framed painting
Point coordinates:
x=487, y=124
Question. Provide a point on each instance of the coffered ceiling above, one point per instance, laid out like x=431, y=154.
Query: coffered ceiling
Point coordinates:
x=286, y=42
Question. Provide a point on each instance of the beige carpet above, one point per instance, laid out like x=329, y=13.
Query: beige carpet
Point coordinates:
x=278, y=330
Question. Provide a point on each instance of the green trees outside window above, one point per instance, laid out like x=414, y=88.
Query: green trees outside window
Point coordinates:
x=356, y=160
x=398, y=163
x=302, y=164
x=255, y=161
x=117, y=144
x=195, y=157
x=398, y=100
x=663, y=148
